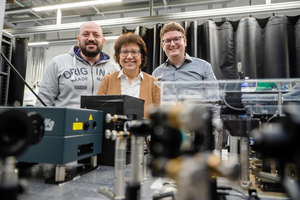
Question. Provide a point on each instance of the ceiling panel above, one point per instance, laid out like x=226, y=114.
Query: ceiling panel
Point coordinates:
x=21, y=20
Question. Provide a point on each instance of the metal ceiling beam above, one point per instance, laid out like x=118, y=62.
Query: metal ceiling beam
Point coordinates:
x=151, y=7
x=124, y=5
x=32, y=12
x=193, y=15
x=22, y=5
x=125, y=9
x=26, y=9
x=165, y=3
x=98, y=12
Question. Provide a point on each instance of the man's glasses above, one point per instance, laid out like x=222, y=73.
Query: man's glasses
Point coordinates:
x=176, y=40
x=125, y=53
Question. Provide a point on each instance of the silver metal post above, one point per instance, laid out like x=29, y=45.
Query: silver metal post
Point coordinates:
x=8, y=172
x=141, y=160
x=120, y=158
x=245, y=182
x=218, y=142
x=233, y=146
x=94, y=161
x=60, y=172
x=134, y=173
x=118, y=191
x=151, y=7
x=146, y=174
x=279, y=99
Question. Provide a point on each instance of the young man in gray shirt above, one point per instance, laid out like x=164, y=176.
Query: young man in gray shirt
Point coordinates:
x=180, y=66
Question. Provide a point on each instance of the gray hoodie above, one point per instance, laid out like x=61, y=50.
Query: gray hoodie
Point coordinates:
x=68, y=76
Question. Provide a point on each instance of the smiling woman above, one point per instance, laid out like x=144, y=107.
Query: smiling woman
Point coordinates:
x=130, y=60
x=131, y=55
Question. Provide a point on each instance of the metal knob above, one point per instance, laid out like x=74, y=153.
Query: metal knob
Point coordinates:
x=114, y=135
x=108, y=118
x=107, y=134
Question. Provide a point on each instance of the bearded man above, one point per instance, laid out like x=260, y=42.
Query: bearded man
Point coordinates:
x=80, y=72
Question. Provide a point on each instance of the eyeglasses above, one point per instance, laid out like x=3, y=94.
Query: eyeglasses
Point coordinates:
x=125, y=53
x=176, y=40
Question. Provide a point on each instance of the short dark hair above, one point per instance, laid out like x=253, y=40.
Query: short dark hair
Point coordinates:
x=171, y=26
x=126, y=39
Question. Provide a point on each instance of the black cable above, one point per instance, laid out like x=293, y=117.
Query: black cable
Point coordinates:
x=230, y=188
x=20, y=76
x=223, y=188
x=223, y=193
x=163, y=195
x=231, y=194
x=239, y=192
x=230, y=105
x=275, y=115
x=240, y=109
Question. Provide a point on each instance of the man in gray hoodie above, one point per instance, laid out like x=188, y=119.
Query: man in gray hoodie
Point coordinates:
x=79, y=72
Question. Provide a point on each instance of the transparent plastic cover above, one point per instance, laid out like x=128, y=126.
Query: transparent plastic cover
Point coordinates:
x=255, y=96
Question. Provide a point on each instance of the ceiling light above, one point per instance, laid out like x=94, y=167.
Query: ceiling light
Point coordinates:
x=37, y=43
x=110, y=37
x=72, y=5
x=65, y=41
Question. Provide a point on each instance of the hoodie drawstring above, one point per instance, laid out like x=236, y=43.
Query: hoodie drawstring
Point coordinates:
x=74, y=65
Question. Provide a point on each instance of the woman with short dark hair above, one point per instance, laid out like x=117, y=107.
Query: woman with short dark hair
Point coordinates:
x=131, y=55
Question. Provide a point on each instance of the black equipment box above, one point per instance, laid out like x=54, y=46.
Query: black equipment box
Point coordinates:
x=113, y=104
x=71, y=134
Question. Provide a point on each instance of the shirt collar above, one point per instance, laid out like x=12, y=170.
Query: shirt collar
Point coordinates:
x=121, y=73
x=187, y=59
x=102, y=56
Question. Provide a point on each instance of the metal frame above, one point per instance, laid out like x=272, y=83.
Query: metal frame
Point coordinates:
x=2, y=7
x=3, y=74
x=193, y=15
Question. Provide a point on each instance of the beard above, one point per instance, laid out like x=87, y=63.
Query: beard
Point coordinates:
x=89, y=53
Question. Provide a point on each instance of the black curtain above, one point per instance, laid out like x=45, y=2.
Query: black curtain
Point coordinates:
x=217, y=47
x=148, y=37
x=267, y=48
x=19, y=61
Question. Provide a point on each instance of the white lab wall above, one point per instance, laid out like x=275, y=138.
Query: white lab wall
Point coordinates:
x=50, y=53
x=53, y=51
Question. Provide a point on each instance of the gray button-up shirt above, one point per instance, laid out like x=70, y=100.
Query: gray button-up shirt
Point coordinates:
x=192, y=69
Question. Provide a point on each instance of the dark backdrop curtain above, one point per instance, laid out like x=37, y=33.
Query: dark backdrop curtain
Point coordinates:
x=218, y=48
x=296, y=70
x=267, y=48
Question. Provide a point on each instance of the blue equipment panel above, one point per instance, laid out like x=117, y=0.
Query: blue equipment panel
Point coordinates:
x=70, y=134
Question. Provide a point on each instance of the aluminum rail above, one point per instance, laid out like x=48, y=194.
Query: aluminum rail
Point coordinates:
x=192, y=15
x=124, y=5
x=117, y=10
